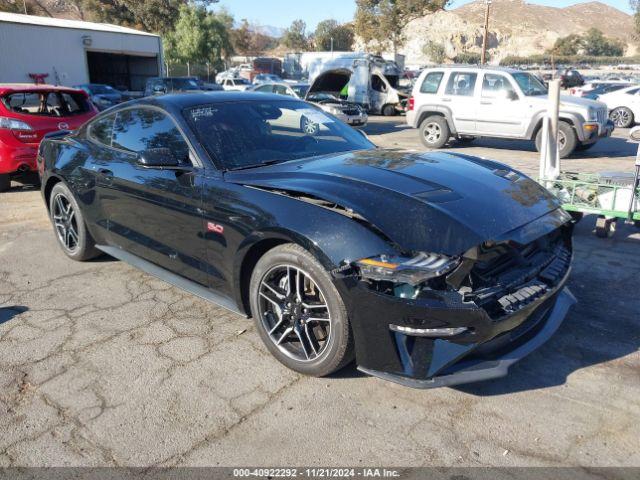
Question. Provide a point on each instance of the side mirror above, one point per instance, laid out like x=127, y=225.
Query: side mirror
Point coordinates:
x=158, y=158
x=159, y=89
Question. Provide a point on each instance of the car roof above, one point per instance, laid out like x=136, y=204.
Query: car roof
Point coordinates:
x=181, y=101
x=32, y=87
x=475, y=67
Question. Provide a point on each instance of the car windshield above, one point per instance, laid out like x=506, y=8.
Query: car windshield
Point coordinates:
x=101, y=89
x=529, y=84
x=185, y=84
x=301, y=90
x=253, y=133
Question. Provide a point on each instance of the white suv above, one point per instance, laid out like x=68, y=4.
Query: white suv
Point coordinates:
x=469, y=102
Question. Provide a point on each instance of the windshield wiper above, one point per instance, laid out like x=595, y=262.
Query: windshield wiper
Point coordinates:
x=254, y=165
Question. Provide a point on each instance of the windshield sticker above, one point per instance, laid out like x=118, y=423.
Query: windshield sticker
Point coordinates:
x=316, y=116
x=198, y=113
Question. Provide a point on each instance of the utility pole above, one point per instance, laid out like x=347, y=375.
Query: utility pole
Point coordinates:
x=486, y=32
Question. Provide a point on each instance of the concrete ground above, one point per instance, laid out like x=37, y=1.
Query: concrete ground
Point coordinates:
x=101, y=364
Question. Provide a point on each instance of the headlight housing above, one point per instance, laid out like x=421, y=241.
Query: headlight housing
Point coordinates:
x=410, y=270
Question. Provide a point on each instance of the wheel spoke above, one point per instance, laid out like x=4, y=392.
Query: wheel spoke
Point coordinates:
x=314, y=306
x=285, y=334
x=278, y=295
x=304, y=346
x=60, y=205
x=318, y=319
x=74, y=236
x=277, y=325
x=272, y=301
x=311, y=342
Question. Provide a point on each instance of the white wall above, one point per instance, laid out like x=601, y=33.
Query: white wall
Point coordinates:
x=28, y=49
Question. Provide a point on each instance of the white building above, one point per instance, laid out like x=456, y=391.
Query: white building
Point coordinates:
x=72, y=52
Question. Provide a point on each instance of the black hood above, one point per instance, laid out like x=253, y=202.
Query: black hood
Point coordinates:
x=437, y=202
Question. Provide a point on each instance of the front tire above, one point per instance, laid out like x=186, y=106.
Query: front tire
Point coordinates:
x=567, y=139
x=5, y=182
x=622, y=117
x=299, y=313
x=69, y=225
x=389, y=111
x=434, y=132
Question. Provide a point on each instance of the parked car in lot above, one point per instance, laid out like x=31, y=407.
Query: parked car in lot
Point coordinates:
x=266, y=78
x=102, y=96
x=429, y=269
x=236, y=84
x=470, y=102
x=349, y=112
x=571, y=78
x=623, y=105
x=27, y=114
x=164, y=85
x=597, y=87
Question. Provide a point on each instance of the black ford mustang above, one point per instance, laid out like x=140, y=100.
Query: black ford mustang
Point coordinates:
x=430, y=269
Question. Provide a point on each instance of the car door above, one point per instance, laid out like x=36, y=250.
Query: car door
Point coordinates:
x=460, y=97
x=501, y=109
x=154, y=213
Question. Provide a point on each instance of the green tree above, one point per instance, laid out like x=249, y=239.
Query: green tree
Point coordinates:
x=596, y=44
x=569, y=45
x=241, y=38
x=199, y=37
x=381, y=23
x=435, y=51
x=328, y=30
x=295, y=37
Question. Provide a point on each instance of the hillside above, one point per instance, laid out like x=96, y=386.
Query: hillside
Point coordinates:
x=516, y=28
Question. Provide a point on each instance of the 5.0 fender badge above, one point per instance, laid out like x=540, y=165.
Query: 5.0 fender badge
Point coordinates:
x=215, y=228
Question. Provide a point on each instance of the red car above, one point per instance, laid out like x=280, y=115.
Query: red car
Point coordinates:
x=27, y=113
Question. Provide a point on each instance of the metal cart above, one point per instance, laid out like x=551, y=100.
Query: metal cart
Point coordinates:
x=611, y=196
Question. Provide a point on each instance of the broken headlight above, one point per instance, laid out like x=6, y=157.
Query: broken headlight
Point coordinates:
x=412, y=271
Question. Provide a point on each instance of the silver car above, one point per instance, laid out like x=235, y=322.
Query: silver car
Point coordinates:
x=348, y=112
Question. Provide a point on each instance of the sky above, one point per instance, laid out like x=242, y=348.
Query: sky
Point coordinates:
x=280, y=13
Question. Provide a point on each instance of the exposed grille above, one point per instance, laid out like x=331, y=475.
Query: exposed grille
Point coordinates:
x=507, y=277
x=351, y=111
x=602, y=116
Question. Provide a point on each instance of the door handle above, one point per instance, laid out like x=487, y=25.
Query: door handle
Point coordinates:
x=446, y=99
x=486, y=103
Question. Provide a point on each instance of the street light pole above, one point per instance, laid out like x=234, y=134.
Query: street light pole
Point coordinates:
x=486, y=31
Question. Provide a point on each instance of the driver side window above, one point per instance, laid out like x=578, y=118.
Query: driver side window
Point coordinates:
x=137, y=130
x=496, y=86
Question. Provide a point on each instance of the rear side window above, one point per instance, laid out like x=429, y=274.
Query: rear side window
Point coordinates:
x=101, y=130
x=51, y=104
x=136, y=130
x=431, y=82
x=461, y=83
x=632, y=91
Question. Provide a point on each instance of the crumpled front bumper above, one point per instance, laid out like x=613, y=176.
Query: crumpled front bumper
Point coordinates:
x=475, y=370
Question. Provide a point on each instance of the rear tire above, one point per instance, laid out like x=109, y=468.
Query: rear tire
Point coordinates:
x=5, y=182
x=329, y=346
x=622, y=117
x=69, y=225
x=434, y=131
x=567, y=138
x=389, y=111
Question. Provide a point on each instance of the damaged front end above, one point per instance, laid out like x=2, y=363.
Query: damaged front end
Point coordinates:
x=429, y=320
